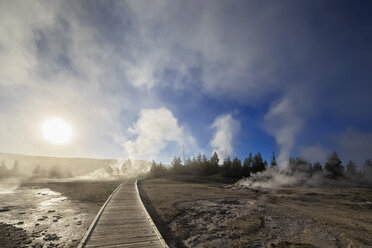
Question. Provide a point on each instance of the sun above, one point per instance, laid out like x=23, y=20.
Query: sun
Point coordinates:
x=57, y=131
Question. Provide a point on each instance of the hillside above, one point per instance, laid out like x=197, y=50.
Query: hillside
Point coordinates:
x=77, y=166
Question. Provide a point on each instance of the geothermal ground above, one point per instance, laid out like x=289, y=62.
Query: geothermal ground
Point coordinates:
x=50, y=214
x=205, y=214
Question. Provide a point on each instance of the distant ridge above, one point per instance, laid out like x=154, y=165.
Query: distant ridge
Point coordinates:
x=78, y=166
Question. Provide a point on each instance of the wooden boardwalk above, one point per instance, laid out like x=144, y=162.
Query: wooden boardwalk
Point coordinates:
x=123, y=222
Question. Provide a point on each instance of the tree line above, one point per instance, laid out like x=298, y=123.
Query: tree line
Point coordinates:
x=12, y=172
x=38, y=171
x=201, y=165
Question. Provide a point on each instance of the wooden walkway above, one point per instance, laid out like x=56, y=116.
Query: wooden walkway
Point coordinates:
x=123, y=222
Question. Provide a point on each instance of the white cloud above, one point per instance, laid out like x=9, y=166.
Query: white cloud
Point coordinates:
x=236, y=68
x=99, y=64
x=154, y=130
x=226, y=129
x=54, y=62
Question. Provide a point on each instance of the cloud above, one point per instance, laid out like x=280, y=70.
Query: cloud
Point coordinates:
x=226, y=129
x=283, y=122
x=57, y=60
x=99, y=64
x=354, y=145
x=236, y=68
x=315, y=153
x=154, y=130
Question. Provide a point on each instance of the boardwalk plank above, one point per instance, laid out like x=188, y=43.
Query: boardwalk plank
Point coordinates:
x=123, y=222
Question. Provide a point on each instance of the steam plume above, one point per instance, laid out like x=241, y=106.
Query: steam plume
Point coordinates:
x=154, y=130
x=226, y=127
x=284, y=124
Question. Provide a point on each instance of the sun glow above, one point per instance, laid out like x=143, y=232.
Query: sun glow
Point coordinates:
x=57, y=131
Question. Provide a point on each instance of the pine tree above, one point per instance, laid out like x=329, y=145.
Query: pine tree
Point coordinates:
x=205, y=168
x=199, y=159
x=36, y=172
x=334, y=167
x=258, y=164
x=194, y=166
x=214, y=163
x=153, y=169
x=273, y=161
x=301, y=165
x=226, y=167
x=317, y=167
x=161, y=170
x=188, y=166
x=247, y=165
x=215, y=159
x=177, y=165
x=236, y=168
x=15, y=169
x=351, y=170
x=4, y=171
x=55, y=172
x=367, y=170
x=204, y=159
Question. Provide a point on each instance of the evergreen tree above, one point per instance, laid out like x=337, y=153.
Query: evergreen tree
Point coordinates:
x=247, y=165
x=15, y=169
x=367, y=170
x=214, y=163
x=258, y=164
x=226, y=167
x=36, y=172
x=177, y=165
x=334, y=167
x=205, y=169
x=4, y=171
x=188, y=166
x=199, y=159
x=153, y=169
x=273, y=161
x=55, y=172
x=236, y=168
x=300, y=165
x=351, y=170
x=161, y=170
x=204, y=159
x=317, y=167
x=215, y=159
x=195, y=165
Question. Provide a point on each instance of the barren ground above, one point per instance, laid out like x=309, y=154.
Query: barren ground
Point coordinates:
x=204, y=214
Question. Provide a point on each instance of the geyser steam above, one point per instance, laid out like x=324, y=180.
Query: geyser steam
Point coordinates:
x=284, y=124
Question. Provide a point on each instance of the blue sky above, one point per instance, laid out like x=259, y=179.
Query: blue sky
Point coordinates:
x=139, y=79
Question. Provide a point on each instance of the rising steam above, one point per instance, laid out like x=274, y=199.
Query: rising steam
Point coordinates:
x=120, y=169
x=273, y=178
x=284, y=124
x=226, y=127
x=154, y=131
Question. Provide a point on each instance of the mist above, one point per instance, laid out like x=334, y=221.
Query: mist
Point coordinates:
x=225, y=130
x=273, y=178
x=121, y=169
x=282, y=122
